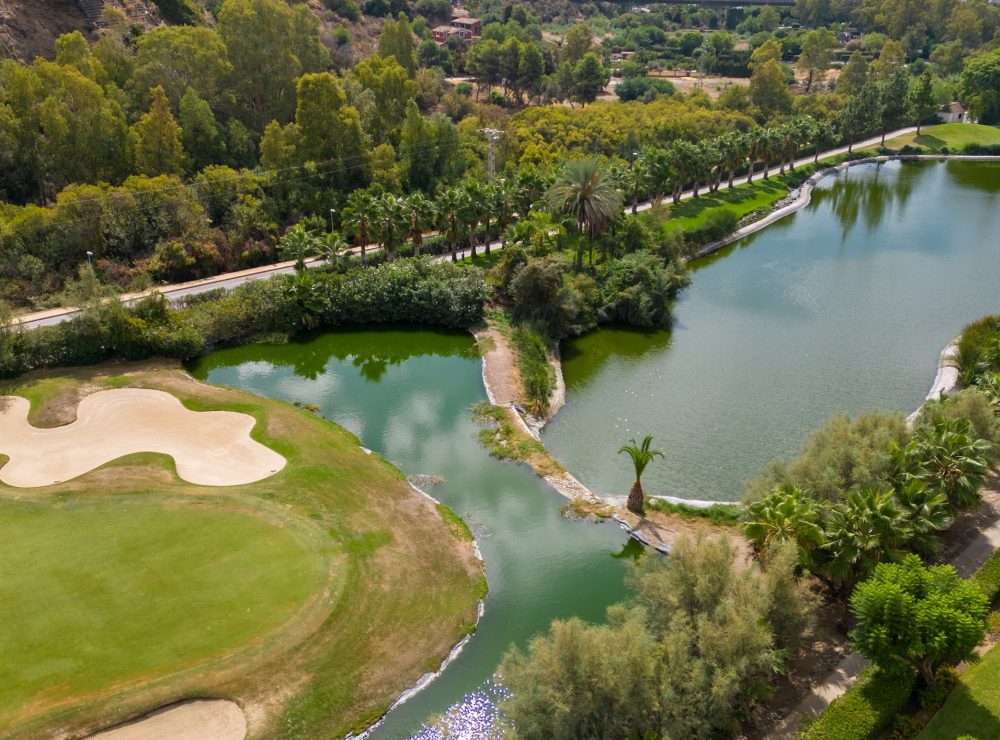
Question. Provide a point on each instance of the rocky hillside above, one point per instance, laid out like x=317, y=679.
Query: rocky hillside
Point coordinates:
x=29, y=28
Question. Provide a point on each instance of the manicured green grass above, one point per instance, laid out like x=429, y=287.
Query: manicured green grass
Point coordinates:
x=318, y=594
x=973, y=708
x=741, y=200
x=97, y=592
x=952, y=135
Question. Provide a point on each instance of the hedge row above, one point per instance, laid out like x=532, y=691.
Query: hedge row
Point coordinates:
x=988, y=576
x=409, y=291
x=865, y=709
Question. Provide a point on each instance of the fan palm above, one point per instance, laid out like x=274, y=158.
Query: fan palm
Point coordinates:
x=391, y=220
x=929, y=513
x=784, y=515
x=734, y=146
x=330, y=246
x=357, y=217
x=297, y=244
x=581, y=190
x=641, y=457
x=946, y=457
x=422, y=216
x=451, y=206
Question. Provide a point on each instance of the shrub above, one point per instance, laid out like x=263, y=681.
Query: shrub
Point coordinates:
x=971, y=404
x=719, y=223
x=180, y=11
x=934, y=696
x=992, y=150
x=988, y=576
x=979, y=348
x=537, y=376
x=865, y=709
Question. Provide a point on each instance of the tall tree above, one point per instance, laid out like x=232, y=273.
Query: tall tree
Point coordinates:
x=980, y=89
x=894, y=100
x=584, y=192
x=391, y=89
x=199, y=131
x=589, y=78
x=769, y=91
x=271, y=44
x=861, y=116
x=923, y=104
x=158, y=148
x=179, y=57
x=396, y=40
x=853, y=75
x=817, y=51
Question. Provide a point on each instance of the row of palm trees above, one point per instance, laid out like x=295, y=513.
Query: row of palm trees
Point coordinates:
x=658, y=172
x=584, y=195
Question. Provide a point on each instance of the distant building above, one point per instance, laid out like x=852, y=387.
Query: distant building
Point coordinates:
x=462, y=25
x=952, y=113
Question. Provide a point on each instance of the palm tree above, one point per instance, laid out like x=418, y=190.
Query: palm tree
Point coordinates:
x=784, y=515
x=357, y=217
x=505, y=195
x=451, y=206
x=476, y=209
x=755, y=141
x=734, y=148
x=661, y=173
x=769, y=143
x=683, y=160
x=329, y=247
x=582, y=191
x=864, y=529
x=947, y=458
x=823, y=135
x=422, y=216
x=297, y=244
x=641, y=457
x=929, y=513
x=391, y=220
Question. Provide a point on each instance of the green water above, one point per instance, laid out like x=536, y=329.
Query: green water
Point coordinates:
x=840, y=308
x=407, y=394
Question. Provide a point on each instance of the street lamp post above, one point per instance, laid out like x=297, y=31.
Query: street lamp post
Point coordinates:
x=90, y=260
x=332, y=211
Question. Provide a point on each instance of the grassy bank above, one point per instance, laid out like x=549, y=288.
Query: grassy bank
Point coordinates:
x=312, y=598
x=952, y=135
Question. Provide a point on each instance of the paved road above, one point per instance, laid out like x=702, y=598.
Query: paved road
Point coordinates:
x=230, y=280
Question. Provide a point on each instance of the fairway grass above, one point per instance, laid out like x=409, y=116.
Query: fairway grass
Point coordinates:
x=973, y=708
x=312, y=598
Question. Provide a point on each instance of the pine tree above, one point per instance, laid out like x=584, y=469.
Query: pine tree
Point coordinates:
x=158, y=148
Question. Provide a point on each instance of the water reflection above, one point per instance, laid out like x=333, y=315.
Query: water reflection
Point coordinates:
x=870, y=197
x=583, y=357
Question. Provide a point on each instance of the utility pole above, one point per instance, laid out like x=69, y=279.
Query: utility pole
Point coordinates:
x=492, y=136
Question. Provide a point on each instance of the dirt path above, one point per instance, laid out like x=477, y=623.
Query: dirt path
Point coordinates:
x=500, y=374
x=203, y=719
x=211, y=448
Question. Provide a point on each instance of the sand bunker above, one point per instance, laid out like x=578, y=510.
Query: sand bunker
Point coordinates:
x=205, y=719
x=210, y=448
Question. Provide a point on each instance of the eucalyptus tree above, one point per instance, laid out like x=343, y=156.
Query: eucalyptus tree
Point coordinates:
x=641, y=457
x=358, y=218
x=584, y=192
x=451, y=206
x=422, y=216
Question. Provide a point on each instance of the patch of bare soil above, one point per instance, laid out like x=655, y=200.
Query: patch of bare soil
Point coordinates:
x=822, y=649
x=500, y=372
x=687, y=81
x=204, y=719
x=28, y=28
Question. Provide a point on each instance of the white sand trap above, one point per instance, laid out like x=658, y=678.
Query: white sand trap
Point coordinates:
x=210, y=448
x=204, y=719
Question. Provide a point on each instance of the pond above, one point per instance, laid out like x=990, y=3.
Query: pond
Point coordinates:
x=841, y=308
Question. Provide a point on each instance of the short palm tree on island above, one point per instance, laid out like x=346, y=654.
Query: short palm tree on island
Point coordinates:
x=641, y=457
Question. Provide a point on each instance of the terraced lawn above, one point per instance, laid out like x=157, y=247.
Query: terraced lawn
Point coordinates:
x=952, y=135
x=312, y=598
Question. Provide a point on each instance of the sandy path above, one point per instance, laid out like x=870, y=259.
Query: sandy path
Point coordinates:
x=204, y=719
x=211, y=448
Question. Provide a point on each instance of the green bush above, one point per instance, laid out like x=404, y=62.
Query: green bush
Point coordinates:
x=180, y=11
x=979, y=348
x=934, y=696
x=719, y=223
x=537, y=376
x=988, y=576
x=865, y=709
x=413, y=291
x=992, y=150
